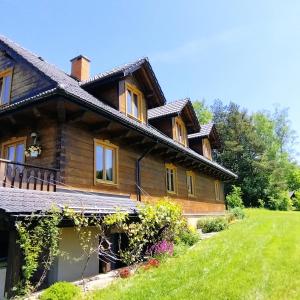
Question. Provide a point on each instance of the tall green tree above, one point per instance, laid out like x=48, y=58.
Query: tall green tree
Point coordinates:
x=258, y=147
x=203, y=112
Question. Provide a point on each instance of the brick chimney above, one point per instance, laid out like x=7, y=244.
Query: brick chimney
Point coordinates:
x=80, y=68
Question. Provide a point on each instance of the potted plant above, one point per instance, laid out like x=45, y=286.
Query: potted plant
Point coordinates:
x=33, y=151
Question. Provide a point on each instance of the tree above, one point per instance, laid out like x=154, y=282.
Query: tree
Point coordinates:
x=258, y=148
x=203, y=113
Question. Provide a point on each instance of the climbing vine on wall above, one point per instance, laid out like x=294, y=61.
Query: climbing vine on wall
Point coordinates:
x=39, y=240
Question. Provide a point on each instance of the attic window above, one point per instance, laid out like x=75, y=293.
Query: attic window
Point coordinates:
x=133, y=102
x=5, y=86
x=179, y=131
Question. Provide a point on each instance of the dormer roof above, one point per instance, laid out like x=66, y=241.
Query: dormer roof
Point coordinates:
x=143, y=65
x=177, y=108
x=207, y=131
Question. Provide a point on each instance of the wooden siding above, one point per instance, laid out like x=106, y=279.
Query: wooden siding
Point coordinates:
x=25, y=81
x=164, y=125
x=79, y=174
x=206, y=148
x=47, y=132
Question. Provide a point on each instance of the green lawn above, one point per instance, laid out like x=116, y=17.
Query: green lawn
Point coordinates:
x=258, y=258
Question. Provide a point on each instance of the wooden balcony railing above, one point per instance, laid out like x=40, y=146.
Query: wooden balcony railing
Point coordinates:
x=24, y=176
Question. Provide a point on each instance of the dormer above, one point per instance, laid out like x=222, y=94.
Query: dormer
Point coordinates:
x=132, y=89
x=204, y=141
x=176, y=119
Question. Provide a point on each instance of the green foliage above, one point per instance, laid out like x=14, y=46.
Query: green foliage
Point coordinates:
x=212, y=224
x=259, y=149
x=61, y=291
x=203, y=113
x=237, y=212
x=38, y=238
x=261, y=203
x=280, y=201
x=160, y=221
x=296, y=200
x=234, y=199
x=188, y=236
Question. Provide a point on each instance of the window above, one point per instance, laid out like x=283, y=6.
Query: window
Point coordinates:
x=190, y=181
x=171, y=178
x=217, y=190
x=133, y=102
x=14, y=150
x=5, y=86
x=179, y=130
x=106, y=156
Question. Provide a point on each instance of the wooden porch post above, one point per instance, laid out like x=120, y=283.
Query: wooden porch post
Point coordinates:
x=13, y=263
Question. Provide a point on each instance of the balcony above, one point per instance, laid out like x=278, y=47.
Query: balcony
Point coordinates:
x=24, y=176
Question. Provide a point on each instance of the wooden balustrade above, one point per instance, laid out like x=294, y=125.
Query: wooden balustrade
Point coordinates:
x=24, y=176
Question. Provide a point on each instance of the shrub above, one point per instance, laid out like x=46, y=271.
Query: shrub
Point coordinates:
x=61, y=291
x=234, y=199
x=237, y=212
x=213, y=224
x=188, y=236
x=281, y=201
x=157, y=222
x=261, y=203
x=296, y=200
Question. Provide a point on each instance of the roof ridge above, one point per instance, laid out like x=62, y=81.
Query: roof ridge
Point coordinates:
x=38, y=63
x=114, y=69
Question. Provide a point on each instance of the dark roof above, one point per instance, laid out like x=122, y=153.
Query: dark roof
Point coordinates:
x=205, y=131
x=19, y=201
x=125, y=70
x=171, y=108
x=175, y=108
x=66, y=85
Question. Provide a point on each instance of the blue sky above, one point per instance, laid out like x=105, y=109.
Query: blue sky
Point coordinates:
x=242, y=51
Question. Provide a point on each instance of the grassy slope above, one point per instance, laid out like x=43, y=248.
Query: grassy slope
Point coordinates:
x=258, y=258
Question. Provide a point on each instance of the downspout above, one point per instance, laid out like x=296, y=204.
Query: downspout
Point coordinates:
x=138, y=171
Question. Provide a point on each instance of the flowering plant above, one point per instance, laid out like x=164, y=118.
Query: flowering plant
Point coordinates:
x=152, y=263
x=161, y=248
x=125, y=273
x=33, y=151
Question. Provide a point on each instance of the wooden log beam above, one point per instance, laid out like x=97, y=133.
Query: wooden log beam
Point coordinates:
x=36, y=112
x=77, y=117
x=61, y=111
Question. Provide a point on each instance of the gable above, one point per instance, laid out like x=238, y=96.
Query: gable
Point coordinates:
x=25, y=80
x=140, y=72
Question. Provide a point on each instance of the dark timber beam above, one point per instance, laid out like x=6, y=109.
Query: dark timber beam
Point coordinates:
x=13, y=263
x=61, y=111
x=77, y=117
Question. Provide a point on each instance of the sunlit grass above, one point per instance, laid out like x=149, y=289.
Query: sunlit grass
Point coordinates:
x=258, y=258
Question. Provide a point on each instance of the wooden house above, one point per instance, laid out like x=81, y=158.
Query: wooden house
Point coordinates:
x=98, y=143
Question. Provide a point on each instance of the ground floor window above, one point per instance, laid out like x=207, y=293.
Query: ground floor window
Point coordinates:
x=171, y=178
x=106, y=161
x=217, y=190
x=190, y=180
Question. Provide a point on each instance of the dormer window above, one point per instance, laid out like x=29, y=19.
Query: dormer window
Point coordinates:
x=5, y=86
x=179, y=131
x=133, y=102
